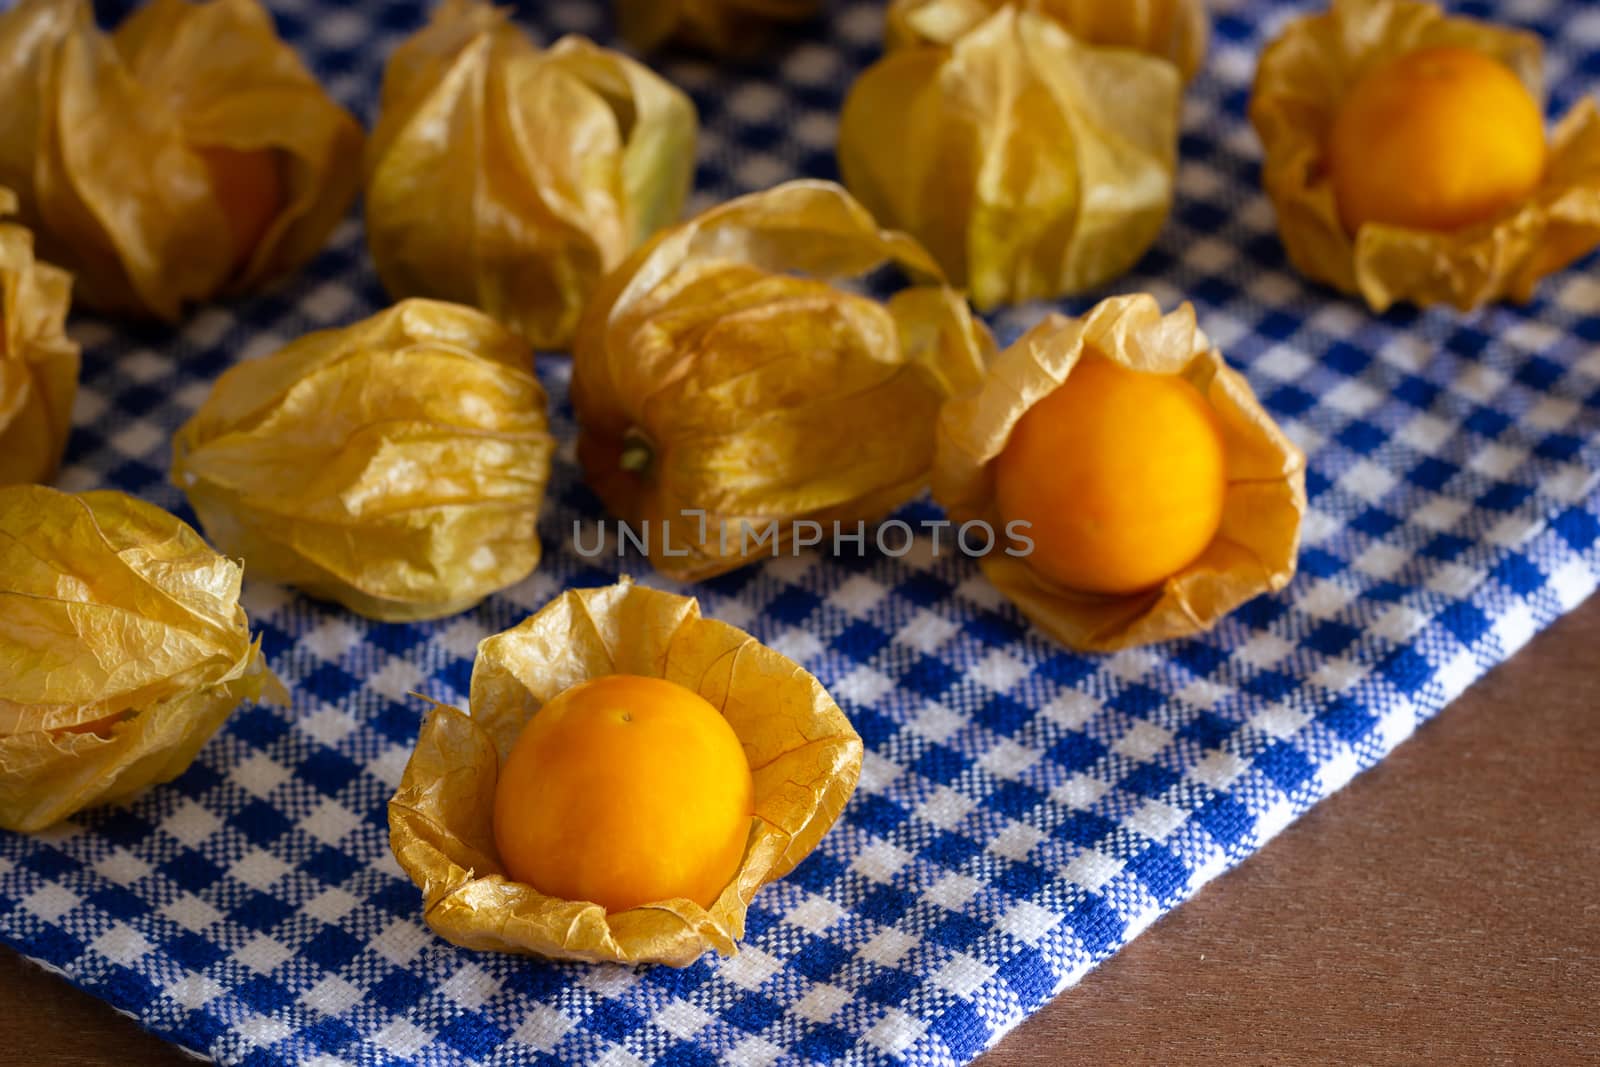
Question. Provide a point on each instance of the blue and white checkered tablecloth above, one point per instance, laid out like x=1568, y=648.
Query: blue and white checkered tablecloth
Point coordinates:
x=1023, y=811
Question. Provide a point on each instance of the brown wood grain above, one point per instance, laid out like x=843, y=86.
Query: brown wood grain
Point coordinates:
x=1443, y=909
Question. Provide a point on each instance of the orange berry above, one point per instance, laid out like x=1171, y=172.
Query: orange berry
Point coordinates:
x=1122, y=475
x=249, y=188
x=625, y=791
x=1436, y=139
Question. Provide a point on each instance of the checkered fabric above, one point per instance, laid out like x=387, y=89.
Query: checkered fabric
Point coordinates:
x=1023, y=811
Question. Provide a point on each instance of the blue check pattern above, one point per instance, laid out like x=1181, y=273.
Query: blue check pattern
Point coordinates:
x=1023, y=811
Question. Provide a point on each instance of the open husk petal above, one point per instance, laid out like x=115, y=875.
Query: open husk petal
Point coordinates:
x=723, y=384
x=1303, y=77
x=722, y=26
x=1256, y=547
x=396, y=465
x=122, y=648
x=1175, y=30
x=510, y=177
x=804, y=756
x=1030, y=164
x=102, y=139
x=38, y=362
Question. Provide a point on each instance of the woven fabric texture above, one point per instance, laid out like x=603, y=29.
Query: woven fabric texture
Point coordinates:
x=1023, y=811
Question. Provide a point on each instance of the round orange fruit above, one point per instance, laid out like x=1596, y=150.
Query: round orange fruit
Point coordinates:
x=1435, y=139
x=624, y=791
x=249, y=188
x=1121, y=474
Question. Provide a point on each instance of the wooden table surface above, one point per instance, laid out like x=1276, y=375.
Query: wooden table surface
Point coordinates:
x=1443, y=909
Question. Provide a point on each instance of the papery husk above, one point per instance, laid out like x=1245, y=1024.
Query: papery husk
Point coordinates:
x=1303, y=78
x=1256, y=547
x=722, y=26
x=38, y=362
x=396, y=466
x=804, y=757
x=511, y=178
x=1030, y=164
x=720, y=370
x=100, y=140
x=1175, y=30
x=122, y=648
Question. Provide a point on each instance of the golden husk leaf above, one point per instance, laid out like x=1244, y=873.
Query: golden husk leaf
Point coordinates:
x=1303, y=77
x=722, y=26
x=122, y=649
x=38, y=362
x=1175, y=30
x=102, y=139
x=1254, y=551
x=1030, y=164
x=719, y=372
x=511, y=178
x=396, y=466
x=804, y=756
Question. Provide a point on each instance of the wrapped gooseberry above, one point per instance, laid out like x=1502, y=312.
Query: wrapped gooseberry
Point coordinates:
x=1407, y=158
x=511, y=177
x=1031, y=164
x=1144, y=491
x=396, y=465
x=123, y=647
x=559, y=815
x=186, y=154
x=38, y=361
